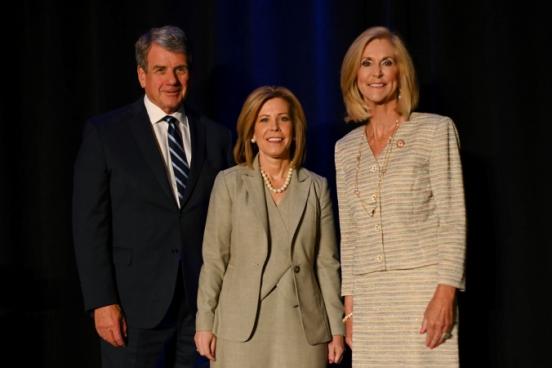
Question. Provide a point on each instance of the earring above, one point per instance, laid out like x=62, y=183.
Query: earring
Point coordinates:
x=399, y=95
x=253, y=140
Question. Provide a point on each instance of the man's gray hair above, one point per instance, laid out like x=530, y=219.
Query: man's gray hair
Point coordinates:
x=170, y=38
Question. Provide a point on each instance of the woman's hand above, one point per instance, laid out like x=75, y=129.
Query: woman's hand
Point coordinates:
x=206, y=344
x=349, y=333
x=335, y=350
x=439, y=316
x=348, y=304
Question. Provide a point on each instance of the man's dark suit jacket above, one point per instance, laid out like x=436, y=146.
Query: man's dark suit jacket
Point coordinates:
x=130, y=236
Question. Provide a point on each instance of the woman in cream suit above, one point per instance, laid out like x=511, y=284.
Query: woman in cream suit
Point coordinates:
x=269, y=286
x=401, y=209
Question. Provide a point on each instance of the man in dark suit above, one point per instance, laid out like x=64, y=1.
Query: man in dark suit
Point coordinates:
x=142, y=182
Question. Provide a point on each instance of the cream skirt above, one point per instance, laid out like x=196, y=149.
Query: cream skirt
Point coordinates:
x=388, y=312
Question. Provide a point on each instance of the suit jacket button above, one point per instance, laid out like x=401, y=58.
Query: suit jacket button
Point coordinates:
x=296, y=269
x=174, y=251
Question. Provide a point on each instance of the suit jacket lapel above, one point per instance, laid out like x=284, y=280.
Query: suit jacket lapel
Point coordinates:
x=298, y=196
x=198, y=138
x=141, y=128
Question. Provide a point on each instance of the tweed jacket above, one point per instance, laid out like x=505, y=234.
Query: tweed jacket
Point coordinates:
x=235, y=249
x=415, y=216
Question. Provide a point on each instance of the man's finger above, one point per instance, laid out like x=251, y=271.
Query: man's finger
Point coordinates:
x=124, y=327
x=117, y=337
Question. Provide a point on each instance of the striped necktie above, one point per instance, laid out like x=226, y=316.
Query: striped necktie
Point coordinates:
x=181, y=168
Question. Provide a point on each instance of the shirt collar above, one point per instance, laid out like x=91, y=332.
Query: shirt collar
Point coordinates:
x=156, y=115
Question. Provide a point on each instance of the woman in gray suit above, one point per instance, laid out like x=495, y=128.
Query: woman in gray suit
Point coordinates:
x=269, y=286
x=401, y=209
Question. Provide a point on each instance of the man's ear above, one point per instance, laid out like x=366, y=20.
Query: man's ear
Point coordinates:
x=141, y=76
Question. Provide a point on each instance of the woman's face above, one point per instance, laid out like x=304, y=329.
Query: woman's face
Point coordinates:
x=274, y=129
x=378, y=74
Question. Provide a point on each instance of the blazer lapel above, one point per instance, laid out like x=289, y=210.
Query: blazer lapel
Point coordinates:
x=298, y=196
x=144, y=135
x=255, y=191
x=198, y=138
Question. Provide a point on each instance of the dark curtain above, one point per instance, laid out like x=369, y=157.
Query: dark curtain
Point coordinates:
x=482, y=63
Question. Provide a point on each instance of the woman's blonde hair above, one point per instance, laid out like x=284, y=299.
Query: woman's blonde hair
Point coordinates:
x=245, y=150
x=408, y=93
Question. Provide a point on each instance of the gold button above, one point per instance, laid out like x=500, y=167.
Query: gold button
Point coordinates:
x=374, y=197
x=379, y=258
x=378, y=227
x=400, y=143
x=373, y=168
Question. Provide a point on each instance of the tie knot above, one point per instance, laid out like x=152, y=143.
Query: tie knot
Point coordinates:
x=170, y=119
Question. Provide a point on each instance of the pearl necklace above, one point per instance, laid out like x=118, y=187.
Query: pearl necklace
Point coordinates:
x=382, y=170
x=268, y=184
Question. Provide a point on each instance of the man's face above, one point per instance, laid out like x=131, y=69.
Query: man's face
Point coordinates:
x=166, y=79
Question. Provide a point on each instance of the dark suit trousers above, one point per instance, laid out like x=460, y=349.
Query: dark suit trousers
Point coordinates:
x=168, y=345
